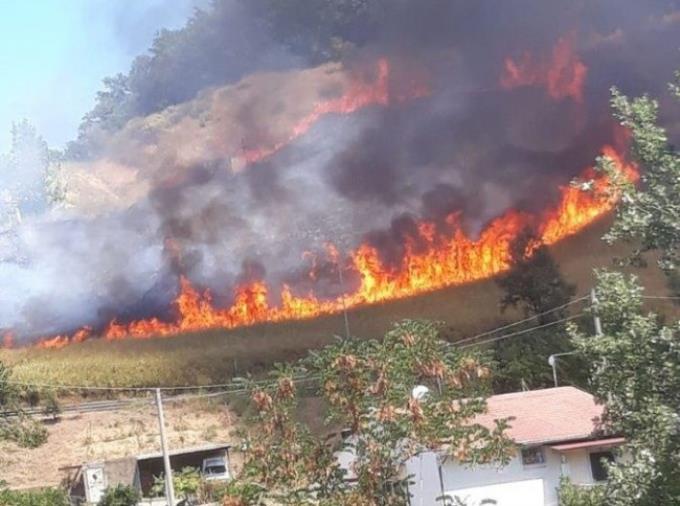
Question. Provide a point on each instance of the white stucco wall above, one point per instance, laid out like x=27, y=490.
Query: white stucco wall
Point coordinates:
x=516, y=482
x=459, y=478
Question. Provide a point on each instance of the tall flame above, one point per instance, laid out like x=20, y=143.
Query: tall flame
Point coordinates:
x=446, y=259
x=563, y=75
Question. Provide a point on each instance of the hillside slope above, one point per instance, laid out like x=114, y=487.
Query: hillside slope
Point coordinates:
x=214, y=356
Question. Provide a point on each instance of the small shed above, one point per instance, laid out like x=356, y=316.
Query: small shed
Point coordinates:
x=151, y=464
x=90, y=480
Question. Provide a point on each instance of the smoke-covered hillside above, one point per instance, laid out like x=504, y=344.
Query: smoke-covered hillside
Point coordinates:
x=237, y=148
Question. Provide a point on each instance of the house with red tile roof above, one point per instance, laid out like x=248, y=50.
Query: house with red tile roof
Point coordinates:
x=557, y=432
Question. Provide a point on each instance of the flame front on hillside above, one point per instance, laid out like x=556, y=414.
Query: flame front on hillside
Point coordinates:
x=449, y=258
x=289, y=193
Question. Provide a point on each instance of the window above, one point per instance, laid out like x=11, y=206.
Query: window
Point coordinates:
x=533, y=456
x=215, y=469
x=597, y=466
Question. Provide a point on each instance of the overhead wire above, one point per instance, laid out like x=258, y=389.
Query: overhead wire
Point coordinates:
x=514, y=324
x=522, y=332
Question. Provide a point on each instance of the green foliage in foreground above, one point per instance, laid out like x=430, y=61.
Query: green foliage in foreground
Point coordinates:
x=635, y=364
x=120, y=495
x=24, y=431
x=186, y=482
x=367, y=388
x=648, y=215
x=573, y=495
x=635, y=372
x=44, y=497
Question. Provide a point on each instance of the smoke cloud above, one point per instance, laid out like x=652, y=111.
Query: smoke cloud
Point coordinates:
x=182, y=193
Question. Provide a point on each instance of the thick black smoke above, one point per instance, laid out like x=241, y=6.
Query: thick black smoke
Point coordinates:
x=170, y=195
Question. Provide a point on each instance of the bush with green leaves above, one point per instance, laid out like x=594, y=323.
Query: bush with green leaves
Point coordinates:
x=574, y=495
x=24, y=431
x=43, y=497
x=187, y=483
x=6, y=390
x=20, y=429
x=120, y=495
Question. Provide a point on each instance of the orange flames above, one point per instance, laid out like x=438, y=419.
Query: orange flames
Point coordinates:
x=360, y=94
x=563, y=75
x=438, y=257
x=445, y=259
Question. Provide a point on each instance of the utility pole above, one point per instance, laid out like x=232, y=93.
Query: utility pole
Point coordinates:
x=596, y=316
x=169, y=485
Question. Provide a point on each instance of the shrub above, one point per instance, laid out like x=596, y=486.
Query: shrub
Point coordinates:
x=44, y=497
x=120, y=495
x=573, y=495
x=25, y=432
x=186, y=483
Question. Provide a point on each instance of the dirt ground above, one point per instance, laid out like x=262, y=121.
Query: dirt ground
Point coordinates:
x=77, y=439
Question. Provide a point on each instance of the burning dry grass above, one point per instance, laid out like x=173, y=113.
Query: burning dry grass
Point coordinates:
x=215, y=356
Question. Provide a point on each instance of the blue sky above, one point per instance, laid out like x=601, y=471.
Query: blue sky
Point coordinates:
x=54, y=54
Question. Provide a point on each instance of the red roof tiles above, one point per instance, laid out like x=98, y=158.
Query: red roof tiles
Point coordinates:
x=545, y=416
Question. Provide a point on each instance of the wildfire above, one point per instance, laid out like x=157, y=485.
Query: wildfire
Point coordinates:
x=440, y=259
x=359, y=94
x=437, y=256
x=563, y=75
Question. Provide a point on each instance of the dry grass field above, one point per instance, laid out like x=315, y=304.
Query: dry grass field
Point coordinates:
x=215, y=356
x=89, y=437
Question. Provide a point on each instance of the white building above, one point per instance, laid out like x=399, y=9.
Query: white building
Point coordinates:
x=556, y=433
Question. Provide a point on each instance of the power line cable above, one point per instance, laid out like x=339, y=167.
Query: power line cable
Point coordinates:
x=521, y=332
x=510, y=325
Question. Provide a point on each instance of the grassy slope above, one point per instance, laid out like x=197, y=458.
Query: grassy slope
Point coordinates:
x=214, y=356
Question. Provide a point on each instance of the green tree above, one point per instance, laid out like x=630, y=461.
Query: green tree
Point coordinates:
x=648, y=215
x=367, y=389
x=219, y=45
x=24, y=168
x=319, y=29
x=635, y=372
x=635, y=364
x=535, y=285
x=120, y=495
